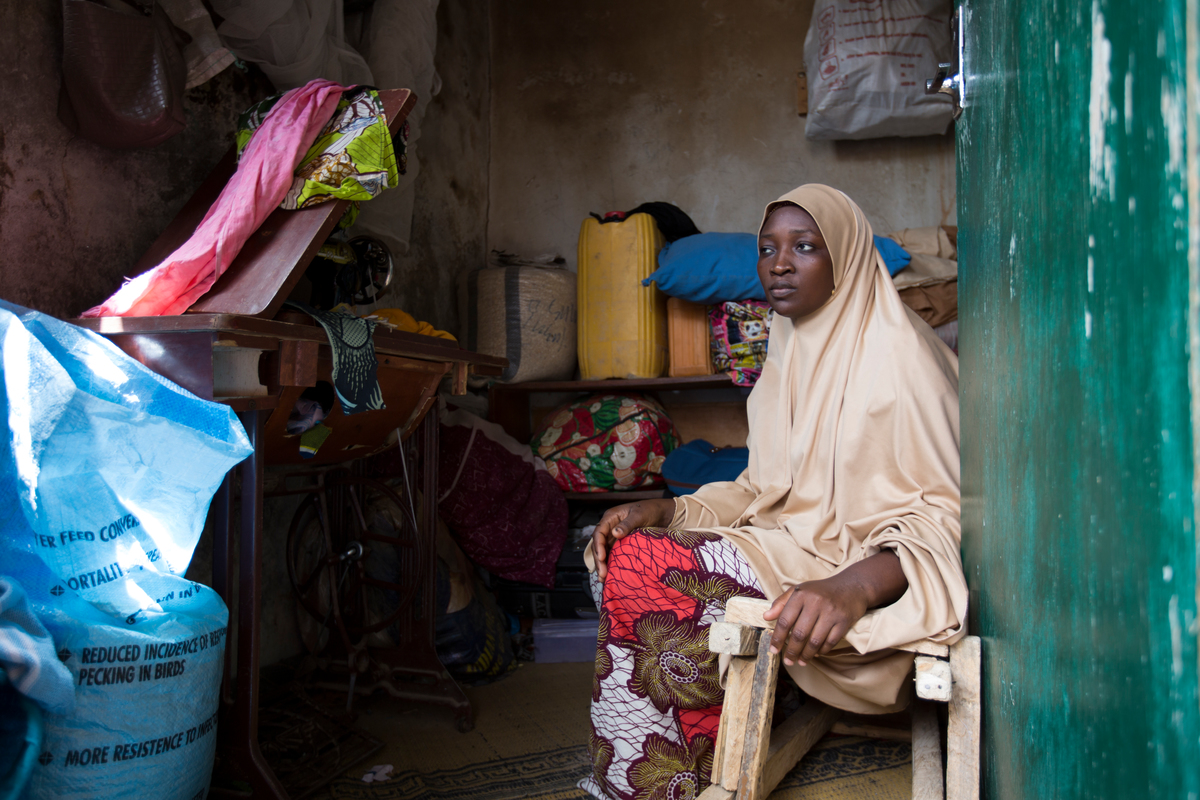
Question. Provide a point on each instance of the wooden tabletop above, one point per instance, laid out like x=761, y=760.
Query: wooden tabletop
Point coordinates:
x=387, y=342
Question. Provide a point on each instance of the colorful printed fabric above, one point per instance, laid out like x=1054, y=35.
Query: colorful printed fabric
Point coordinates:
x=739, y=340
x=261, y=181
x=656, y=697
x=352, y=158
x=606, y=442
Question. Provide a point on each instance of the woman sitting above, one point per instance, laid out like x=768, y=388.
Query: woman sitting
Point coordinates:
x=847, y=516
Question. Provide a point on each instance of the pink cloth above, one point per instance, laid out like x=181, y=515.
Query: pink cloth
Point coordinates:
x=262, y=179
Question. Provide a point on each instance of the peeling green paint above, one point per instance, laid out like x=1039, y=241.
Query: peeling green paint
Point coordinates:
x=1077, y=431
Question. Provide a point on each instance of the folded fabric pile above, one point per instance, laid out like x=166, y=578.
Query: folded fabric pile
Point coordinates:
x=316, y=143
x=930, y=284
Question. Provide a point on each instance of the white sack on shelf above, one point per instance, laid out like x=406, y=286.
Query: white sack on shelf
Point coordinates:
x=526, y=314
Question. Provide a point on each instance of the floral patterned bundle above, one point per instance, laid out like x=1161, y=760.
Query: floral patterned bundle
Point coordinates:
x=353, y=158
x=606, y=443
x=739, y=338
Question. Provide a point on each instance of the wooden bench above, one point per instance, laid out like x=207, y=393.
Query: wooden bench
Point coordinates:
x=750, y=759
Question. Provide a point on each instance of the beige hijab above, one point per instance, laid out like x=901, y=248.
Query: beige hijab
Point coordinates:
x=853, y=449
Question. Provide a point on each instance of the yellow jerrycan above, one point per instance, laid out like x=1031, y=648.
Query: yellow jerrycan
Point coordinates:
x=622, y=324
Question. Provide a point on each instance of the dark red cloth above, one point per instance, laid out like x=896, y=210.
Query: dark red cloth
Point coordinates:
x=508, y=516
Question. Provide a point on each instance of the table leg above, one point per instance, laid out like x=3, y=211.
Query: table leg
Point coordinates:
x=463, y=715
x=242, y=749
x=415, y=673
x=222, y=581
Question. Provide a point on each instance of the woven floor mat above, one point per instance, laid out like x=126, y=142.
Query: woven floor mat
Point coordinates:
x=530, y=742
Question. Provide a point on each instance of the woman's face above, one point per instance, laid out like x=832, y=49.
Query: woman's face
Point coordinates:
x=794, y=264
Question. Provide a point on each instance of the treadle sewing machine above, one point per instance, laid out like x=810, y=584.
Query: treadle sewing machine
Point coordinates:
x=231, y=348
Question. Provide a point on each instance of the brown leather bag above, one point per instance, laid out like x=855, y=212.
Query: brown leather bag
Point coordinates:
x=123, y=75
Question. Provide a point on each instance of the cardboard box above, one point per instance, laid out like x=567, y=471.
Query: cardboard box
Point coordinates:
x=688, y=336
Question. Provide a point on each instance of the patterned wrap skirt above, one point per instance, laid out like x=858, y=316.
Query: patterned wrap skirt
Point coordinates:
x=656, y=698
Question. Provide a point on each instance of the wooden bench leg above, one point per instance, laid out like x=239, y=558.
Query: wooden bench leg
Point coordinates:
x=963, y=730
x=926, y=752
x=750, y=759
x=959, y=685
x=739, y=683
x=758, y=723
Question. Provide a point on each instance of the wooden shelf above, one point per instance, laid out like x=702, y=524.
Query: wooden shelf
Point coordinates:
x=616, y=497
x=509, y=402
x=720, y=380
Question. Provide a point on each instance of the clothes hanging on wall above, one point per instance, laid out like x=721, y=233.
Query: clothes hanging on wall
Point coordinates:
x=399, y=46
x=292, y=41
x=204, y=55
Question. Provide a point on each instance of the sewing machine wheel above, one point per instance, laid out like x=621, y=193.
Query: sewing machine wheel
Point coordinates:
x=347, y=547
x=375, y=269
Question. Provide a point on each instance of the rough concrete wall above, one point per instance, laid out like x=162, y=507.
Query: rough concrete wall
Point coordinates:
x=75, y=216
x=603, y=106
x=449, y=217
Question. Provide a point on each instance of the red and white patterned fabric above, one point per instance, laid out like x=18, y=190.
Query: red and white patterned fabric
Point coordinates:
x=656, y=699
x=606, y=443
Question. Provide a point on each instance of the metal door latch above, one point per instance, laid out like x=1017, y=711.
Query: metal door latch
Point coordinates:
x=949, y=79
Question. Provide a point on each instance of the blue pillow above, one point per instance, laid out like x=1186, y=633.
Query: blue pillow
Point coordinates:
x=895, y=257
x=711, y=268
x=696, y=463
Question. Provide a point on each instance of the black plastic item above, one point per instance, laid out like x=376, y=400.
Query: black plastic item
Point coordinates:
x=473, y=643
x=569, y=599
x=531, y=600
x=672, y=221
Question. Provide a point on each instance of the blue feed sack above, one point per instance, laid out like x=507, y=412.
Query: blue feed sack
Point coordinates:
x=106, y=474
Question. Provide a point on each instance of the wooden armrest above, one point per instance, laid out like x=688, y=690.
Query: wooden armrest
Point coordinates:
x=749, y=611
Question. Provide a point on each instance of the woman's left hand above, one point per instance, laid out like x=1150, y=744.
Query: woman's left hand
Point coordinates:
x=814, y=616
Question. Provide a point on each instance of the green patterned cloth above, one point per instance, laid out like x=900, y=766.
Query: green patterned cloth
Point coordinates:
x=353, y=158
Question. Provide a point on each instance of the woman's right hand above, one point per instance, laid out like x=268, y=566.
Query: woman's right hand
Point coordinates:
x=619, y=521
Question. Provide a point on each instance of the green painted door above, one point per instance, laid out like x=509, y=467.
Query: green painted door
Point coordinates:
x=1078, y=445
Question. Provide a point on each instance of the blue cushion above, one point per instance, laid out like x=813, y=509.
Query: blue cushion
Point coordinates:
x=696, y=463
x=711, y=268
x=895, y=257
